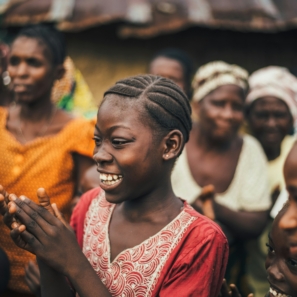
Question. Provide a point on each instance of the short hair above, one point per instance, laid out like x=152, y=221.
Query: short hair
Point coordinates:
x=184, y=59
x=51, y=37
x=165, y=102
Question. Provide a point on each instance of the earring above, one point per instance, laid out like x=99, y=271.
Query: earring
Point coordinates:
x=6, y=78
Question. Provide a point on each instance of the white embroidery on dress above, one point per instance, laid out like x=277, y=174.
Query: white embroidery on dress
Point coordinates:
x=134, y=272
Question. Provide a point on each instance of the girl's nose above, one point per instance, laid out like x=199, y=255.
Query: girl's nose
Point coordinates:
x=101, y=155
x=274, y=273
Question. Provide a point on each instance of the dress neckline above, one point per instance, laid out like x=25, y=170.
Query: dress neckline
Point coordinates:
x=35, y=140
x=112, y=207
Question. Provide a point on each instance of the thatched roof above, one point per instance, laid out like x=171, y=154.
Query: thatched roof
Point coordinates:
x=147, y=18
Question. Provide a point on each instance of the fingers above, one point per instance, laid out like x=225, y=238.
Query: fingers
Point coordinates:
x=32, y=277
x=30, y=218
x=207, y=192
x=3, y=205
x=44, y=200
x=58, y=214
x=208, y=209
x=8, y=214
x=23, y=238
x=234, y=291
x=4, y=193
x=225, y=289
x=36, y=212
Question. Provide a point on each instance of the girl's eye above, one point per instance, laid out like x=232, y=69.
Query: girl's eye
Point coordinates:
x=97, y=140
x=119, y=141
x=270, y=248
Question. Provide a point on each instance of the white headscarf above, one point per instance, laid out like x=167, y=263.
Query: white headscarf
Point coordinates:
x=277, y=82
x=216, y=74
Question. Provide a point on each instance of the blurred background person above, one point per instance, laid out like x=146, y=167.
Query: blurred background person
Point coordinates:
x=271, y=110
x=174, y=64
x=42, y=145
x=218, y=155
x=6, y=95
x=271, y=114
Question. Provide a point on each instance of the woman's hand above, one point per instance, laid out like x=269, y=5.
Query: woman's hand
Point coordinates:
x=45, y=235
x=230, y=292
x=204, y=202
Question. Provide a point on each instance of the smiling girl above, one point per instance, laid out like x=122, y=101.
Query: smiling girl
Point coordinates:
x=137, y=237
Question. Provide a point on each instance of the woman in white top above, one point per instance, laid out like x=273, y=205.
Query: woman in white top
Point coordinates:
x=218, y=155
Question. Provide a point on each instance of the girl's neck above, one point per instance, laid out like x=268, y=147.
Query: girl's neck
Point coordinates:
x=36, y=111
x=159, y=203
x=204, y=141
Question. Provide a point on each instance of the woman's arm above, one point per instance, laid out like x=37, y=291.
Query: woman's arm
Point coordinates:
x=53, y=243
x=243, y=224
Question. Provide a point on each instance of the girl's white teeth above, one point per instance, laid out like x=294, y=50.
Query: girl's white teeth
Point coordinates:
x=110, y=179
x=276, y=294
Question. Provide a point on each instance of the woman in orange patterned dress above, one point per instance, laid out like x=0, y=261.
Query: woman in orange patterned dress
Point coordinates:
x=41, y=145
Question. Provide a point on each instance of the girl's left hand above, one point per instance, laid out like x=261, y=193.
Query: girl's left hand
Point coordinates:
x=45, y=235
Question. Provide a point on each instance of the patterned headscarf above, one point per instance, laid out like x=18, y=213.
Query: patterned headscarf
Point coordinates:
x=217, y=74
x=277, y=82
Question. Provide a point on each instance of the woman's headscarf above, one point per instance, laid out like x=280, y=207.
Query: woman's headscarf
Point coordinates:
x=277, y=82
x=217, y=74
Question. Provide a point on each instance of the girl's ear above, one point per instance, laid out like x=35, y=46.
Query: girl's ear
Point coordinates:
x=173, y=144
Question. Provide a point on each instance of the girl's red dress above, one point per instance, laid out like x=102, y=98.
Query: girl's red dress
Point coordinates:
x=188, y=257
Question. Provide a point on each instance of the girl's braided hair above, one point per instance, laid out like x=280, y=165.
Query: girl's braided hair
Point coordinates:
x=164, y=101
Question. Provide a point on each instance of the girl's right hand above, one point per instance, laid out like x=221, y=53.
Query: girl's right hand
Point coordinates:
x=44, y=235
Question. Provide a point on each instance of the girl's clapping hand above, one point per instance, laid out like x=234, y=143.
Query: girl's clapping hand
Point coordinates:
x=44, y=235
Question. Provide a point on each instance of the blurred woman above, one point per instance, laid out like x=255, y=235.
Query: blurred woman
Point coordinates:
x=174, y=64
x=271, y=109
x=42, y=145
x=218, y=155
x=271, y=114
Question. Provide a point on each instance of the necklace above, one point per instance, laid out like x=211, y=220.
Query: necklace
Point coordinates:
x=43, y=129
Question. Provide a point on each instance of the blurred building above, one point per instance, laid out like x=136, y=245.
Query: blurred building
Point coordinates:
x=111, y=39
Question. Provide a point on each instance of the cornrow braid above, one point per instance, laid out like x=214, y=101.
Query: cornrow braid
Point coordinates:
x=165, y=102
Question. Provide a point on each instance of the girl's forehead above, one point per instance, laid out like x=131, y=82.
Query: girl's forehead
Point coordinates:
x=117, y=104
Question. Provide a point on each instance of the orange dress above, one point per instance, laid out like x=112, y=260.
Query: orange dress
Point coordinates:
x=44, y=162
